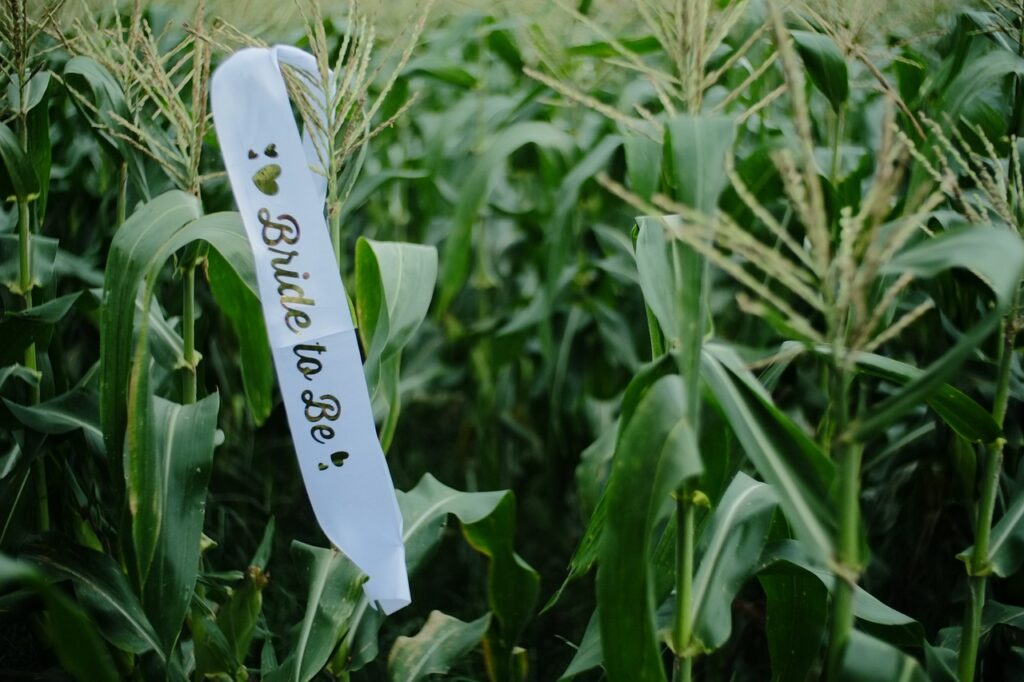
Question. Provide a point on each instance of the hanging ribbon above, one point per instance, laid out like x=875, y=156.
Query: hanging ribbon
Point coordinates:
x=312, y=336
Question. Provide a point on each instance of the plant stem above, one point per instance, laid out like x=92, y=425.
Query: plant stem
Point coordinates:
x=122, y=194
x=848, y=455
x=188, y=335
x=837, y=135
x=683, y=633
x=978, y=566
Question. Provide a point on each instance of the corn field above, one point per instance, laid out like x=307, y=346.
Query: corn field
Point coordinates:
x=693, y=334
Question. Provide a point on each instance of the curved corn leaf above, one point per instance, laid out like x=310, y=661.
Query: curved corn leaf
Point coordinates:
x=394, y=285
x=656, y=451
x=488, y=524
x=79, y=647
x=103, y=591
x=335, y=589
x=729, y=552
x=825, y=65
x=440, y=642
x=18, y=181
x=963, y=415
x=867, y=659
x=791, y=462
x=241, y=305
x=996, y=256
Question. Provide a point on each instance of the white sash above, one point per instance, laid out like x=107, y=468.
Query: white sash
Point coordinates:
x=312, y=336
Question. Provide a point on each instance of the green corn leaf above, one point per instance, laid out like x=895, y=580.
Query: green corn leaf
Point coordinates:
x=335, y=587
x=512, y=586
x=77, y=409
x=456, y=260
x=488, y=524
x=588, y=653
x=40, y=152
x=441, y=641
x=695, y=151
x=963, y=415
x=44, y=256
x=394, y=285
x=643, y=162
x=786, y=557
x=996, y=256
x=171, y=485
x=241, y=305
x=656, y=451
x=589, y=547
x=729, y=552
x=795, y=622
x=22, y=328
x=1006, y=543
x=788, y=460
x=825, y=65
x=140, y=248
x=78, y=645
x=867, y=659
x=238, y=616
x=18, y=181
x=103, y=591
x=99, y=98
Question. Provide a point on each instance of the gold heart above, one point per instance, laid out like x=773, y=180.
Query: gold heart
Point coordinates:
x=265, y=179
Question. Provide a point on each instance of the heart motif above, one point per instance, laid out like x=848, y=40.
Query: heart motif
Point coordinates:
x=265, y=179
x=337, y=459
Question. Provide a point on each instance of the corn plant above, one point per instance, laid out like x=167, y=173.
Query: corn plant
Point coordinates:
x=727, y=293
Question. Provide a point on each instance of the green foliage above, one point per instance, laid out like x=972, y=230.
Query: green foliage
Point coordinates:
x=768, y=414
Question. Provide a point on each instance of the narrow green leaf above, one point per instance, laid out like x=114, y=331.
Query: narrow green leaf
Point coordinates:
x=791, y=462
x=79, y=647
x=867, y=659
x=825, y=65
x=18, y=181
x=588, y=653
x=996, y=256
x=76, y=409
x=441, y=641
x=103, y=591
x=171, y=506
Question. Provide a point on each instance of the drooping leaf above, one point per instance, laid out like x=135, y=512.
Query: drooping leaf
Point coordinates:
x=729, y=553
x=78, y=645
x=394, y=285
x=588, y=653
x=825, y=65
x=102, y=589
x=441, y=641
x=787, y=459
x=18, y=181
x=996, y=256
x=76, y=409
